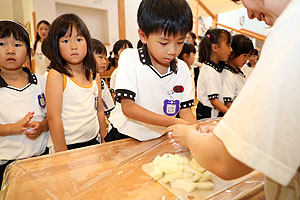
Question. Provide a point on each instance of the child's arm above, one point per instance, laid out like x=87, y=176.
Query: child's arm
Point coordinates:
x=136, y=112
x=54, y=92
x=228, y=104
x=209, y=151
x=218, y=105
x=37, y=129
x=100, y=112
x=188, y=115
x=16, y=128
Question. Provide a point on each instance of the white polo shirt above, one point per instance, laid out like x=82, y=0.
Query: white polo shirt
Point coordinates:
x=233, y=81
x=164, y=94
x=265, y=134
x=15, y=103
x=209, y=85
x=247, y=70
x=107, y=101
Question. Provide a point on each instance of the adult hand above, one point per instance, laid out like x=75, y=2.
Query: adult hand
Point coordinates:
x=179, y=132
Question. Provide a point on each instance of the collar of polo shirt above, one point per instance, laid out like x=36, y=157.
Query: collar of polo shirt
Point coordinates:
x=217, y=67
x=145, y=59
x=31, y=78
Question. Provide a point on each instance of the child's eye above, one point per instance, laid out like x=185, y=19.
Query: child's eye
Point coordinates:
x=2, y=44
x=179, y=42
x=79, y=39
x=163, y=43
x=65, y=41
x=18, y=45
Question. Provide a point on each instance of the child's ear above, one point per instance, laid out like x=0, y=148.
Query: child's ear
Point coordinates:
x=142, y=36
x=185, y=56
x=214, y=47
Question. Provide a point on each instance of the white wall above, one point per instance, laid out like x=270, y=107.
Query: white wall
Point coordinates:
x=7, y=11
x=131, y=7
x=46, y=9
x=95, y=19
x=232, y=19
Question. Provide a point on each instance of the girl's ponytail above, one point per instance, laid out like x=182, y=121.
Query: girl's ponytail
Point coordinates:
x=212, y=36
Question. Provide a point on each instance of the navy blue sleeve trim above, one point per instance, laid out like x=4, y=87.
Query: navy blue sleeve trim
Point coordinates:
x=227, y=99
x=124, y=94
x=187, y=104
x=213, y=96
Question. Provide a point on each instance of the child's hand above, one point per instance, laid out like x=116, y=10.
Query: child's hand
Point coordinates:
x=22, y=125
x=179, y=132
x=34, y=130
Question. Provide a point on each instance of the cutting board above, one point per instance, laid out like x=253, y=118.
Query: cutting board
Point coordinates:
x=220, y=186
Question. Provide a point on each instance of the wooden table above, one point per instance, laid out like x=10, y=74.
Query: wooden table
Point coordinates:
x=106, y=171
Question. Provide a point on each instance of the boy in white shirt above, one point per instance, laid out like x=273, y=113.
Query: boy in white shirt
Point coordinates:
x=152, y=86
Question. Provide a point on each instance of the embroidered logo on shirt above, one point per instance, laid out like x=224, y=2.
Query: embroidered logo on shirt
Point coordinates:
x=178, y=89
x=42, y=100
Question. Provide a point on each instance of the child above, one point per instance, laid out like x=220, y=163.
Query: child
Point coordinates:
x=23, y=122
x=152, y=86
x=248, y=68
x=100, y=56
x=118, y=47
x=40, y=60
x=73, y=90
x=233, y=79
x=187, y=54
x=191, y=38
x=214, y=50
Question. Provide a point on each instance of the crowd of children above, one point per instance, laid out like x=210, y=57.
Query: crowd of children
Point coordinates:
x=154, y=83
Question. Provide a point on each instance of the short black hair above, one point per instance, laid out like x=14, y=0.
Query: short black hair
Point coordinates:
x=193, y=35
x=168, y=16
x=241, y=45
x=212, y=36
x=254, y=52
x=11, y=28
x=98, y=47
x=60, y=26
x=187, y=48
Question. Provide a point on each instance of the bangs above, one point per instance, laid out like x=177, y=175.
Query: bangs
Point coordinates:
x=67, y=30
x=8, y=29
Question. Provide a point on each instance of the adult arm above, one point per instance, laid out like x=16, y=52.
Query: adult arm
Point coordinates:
x=209, y=151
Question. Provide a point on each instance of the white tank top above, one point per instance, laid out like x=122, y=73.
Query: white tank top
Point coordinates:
x=79, y=111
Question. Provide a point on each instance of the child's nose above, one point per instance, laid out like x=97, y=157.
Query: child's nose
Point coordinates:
x=10, y=49
x=73, y=45
x=172, y=50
